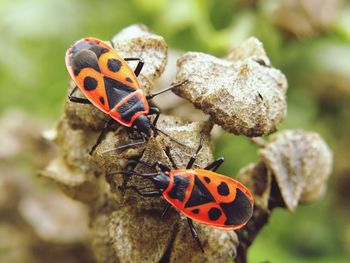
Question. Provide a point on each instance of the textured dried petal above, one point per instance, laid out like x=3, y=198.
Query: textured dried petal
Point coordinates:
x=251, y=48
x=257, y=178
x=138, y=41
x=74, y=170
x=301, y=163
x=77, y=185
x=218, y=245
x=138, y=235
x=243, y=96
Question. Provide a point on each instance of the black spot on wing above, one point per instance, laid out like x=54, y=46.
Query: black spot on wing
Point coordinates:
x=206, y=179
x=195, y=211
x=223, y=189
x=116, y=91
x=239, y=210
x=200, y=194
x=84, y=59
x=178, y=190
x=90, y=83
x=128, y=79
x=114, y=65
x=102, y=100
x=214, y=213
x=98, y=50
x=130, y=108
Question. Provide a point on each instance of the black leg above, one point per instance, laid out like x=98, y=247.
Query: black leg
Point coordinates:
x=130, y=144
x=194, y=233
x=161, y=166
x=151, y=96
x=165, y=211
x=215, y=165
x=122, y=147
x=76, y=99
x=156, y=111
x=139, y=65
x=130, y=166
x=194, y=156
x=102, y=134
x=153, y=193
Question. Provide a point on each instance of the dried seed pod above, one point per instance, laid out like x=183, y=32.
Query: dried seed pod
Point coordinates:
x=74, y=170
x=138, y=41
x=257, y=178
x=251, y=48
x=244, y=95
x=137, y=235
x=301, y=162
x=219, y=246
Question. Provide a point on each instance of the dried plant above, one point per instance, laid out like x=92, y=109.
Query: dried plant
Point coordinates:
x=244, y=95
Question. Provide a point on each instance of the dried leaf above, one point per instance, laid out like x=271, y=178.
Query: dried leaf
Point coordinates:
x=244, y=95
x=301, y=163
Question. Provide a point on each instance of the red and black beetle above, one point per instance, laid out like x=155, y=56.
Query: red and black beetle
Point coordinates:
x=108, y=82
x=201, y=195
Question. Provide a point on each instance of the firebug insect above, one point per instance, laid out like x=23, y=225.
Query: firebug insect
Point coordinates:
x=201, y=195
x=108, y=82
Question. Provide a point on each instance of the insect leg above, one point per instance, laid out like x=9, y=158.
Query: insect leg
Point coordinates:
x=151, y=96
x=165, y=211
x=76, y=99
x=129, y=145
x=161, y=166
x=139, y=65
x=153, y=193
x=102, y=134
x=215, y=165
x=156, y=111
x=194, y=156
x=126, y=145
x=194, y=233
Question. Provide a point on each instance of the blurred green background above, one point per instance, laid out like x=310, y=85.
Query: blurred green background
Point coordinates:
x=309, y=42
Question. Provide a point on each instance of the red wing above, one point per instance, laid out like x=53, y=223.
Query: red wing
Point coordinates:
x=222, y=187
x=114, y=66
x=92, y=85
x=83, y=67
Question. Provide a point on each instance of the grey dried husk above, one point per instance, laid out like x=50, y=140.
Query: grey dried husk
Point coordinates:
x=301, y=163
x=243, y=93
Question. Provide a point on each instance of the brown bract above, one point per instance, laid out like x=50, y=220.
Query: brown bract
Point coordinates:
x=301, y=163
x=243, y=93
x=258, y=180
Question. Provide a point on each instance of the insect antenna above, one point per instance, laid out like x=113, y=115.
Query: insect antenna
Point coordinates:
x=167, y=135
x=147, y=176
